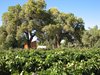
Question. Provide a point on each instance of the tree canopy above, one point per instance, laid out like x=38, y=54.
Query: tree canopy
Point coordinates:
x=51, y=25
x=91, y=37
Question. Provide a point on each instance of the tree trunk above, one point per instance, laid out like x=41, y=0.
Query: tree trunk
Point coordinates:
x=57, y=41
x=29, y=39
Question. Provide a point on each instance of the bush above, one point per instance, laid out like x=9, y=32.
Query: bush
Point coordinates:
x=50, y=62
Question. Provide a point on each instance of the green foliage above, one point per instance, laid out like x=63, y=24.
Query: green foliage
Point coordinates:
x=49, y=24
x=63, y=25
x=52, y=30
x=3, y=34
x=91, y=37
x=19, y=19
x=50, y=62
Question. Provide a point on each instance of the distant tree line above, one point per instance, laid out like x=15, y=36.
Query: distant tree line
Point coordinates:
x=51, y=27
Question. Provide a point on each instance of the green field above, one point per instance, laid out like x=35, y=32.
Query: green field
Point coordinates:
x=68, y=61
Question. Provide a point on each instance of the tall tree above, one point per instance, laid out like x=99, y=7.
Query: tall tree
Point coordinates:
x=24, y=19
x=20, y=21
x=91, y=37
x=64, y=25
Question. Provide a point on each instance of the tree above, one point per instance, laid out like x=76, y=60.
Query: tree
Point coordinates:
x=53, y=31
x=24, y=19
x=63, y=25
x=31, y=18
x=10, y=22
x=91, y=37
x=21, y=21
x=3, y=35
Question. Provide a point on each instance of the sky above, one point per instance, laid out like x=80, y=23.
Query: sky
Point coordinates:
x=88, y=10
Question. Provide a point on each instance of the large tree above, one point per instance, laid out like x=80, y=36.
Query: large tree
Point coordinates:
x=24, y=19
x=64, y=25
x=91, y=37
x=20, y=21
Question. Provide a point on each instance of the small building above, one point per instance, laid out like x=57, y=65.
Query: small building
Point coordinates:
x=26, y=46
x=33, y=43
